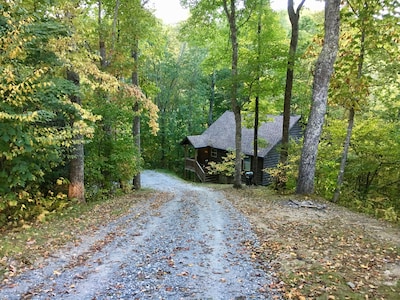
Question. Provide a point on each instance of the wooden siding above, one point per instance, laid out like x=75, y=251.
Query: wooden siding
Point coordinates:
x=270, y=161
x=259, y=172
x=296, y=132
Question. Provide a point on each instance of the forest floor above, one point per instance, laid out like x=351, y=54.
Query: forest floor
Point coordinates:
x=313, y=251
x=320, y=250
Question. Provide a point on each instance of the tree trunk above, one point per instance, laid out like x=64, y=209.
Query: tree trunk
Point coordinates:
x=114, y=25
x=255, y=141
x=136, y=115
x=254, y=163
x=344, y=155
x=350, y=124
x=163, y=136
x=294, y=17
x=231, y=15
x=212, y=100
x=102, y=44
x=323, y=72
x=76, y=189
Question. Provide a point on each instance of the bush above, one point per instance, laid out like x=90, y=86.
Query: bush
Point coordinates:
x=226, y=167
x=18, y=208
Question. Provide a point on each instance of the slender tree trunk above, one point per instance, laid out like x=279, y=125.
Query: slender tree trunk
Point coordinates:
x=350, y=124
x=323, y=72
x=76, y=189
x=212, y=100
x=114, y=25
x=162, y=134
x=294, y=17
x=136, y=115
x=343, y=161
x=231, y=15
x=102, y=44
x=254, y=163
x=255, y=141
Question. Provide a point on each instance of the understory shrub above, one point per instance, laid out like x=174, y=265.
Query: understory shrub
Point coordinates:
x=16, y=209
x=226, y=167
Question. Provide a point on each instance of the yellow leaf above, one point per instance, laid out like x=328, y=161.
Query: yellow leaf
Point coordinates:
x=42, y=216
x=12, y=203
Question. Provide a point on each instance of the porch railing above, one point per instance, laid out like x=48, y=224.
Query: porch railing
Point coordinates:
x=192, y=165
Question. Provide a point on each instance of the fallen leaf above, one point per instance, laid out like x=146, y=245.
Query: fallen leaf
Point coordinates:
x=351, y=285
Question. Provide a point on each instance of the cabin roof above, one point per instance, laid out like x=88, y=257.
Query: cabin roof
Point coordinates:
x=221, y=134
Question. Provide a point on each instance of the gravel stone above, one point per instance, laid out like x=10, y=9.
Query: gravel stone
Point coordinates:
x=191, y=247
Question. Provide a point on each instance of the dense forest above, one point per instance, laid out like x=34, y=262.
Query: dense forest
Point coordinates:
x=94, y=91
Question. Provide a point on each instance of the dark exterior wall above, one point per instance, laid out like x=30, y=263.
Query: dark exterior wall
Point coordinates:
x=220, y=155
x=272, y=158
x=204, y=155
x=260, y=173
x=296, y=132
x=270, y=161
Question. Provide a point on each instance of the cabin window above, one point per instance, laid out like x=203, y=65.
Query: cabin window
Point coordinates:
x=214, y=153
x=247, y=163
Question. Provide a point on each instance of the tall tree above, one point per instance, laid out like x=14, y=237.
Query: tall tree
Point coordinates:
x=254, y=165
x=136, y=111
x=206, y=30
x=253, y=55
x=323, y=72
x=136, y=108
x=212, y=99
x=230, y=11
x=353, y=104
x=127, y=24
x=76, y=188
x=352, y=86
x=294, y=17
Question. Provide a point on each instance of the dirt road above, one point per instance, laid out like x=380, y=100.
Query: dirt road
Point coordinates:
x=189, y=243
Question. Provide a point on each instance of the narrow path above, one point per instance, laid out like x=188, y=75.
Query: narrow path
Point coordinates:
x=190, y=247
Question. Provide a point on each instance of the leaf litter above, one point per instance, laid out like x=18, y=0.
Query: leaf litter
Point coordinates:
x=328, y=253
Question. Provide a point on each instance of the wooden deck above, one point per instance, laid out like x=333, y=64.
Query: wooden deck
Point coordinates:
x=193, y=166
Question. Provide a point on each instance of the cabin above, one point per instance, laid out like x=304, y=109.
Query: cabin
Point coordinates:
x=217, y=140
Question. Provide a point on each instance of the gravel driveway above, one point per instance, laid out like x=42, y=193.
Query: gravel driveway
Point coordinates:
x=189, y=247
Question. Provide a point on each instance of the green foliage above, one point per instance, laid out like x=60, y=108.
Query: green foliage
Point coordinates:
x=364, y=82
x=226, y=167
x=16, y=209
x=182, y=92
x=35, y=113
x=263, y=58
x=371, y=181
x=287, y=173
x=111, y=156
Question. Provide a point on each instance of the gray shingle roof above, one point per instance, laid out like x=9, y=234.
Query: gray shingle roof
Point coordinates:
x=221, y=134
